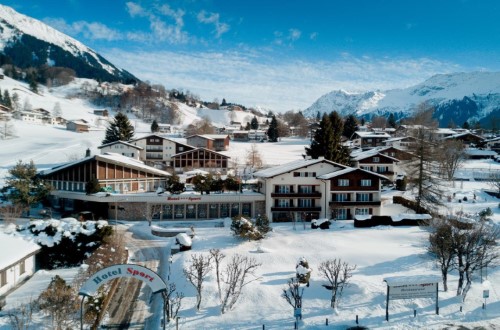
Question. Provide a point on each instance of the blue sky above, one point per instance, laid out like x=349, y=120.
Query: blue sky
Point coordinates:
x=281, y=55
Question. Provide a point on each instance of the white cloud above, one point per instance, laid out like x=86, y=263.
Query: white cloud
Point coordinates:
x=160, y=30
x=213, y=18
x=273, y=82
x=90, y=30
x=294, y=34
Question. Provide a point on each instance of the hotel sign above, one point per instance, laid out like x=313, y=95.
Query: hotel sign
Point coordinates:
x=183, y=198
x=410, y=291
x=107, y=274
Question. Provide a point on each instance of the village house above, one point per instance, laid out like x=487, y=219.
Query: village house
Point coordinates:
x=368, y=140
x=79, y=126
x=17, y=262
x=158, y=151
x=468, y=139
x=375, y=161
x=101, y=112
x=123, y=148
x=215, y=142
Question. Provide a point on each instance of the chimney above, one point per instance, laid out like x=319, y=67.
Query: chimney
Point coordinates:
x=87, y=152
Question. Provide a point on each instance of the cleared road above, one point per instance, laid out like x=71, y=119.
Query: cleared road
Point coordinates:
x=133, y=306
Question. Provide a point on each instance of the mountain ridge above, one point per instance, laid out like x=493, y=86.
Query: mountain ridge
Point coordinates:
x=456, y=97
x=29, y=42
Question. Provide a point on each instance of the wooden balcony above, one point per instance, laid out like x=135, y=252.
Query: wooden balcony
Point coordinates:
x=355, y=203
x=295, y=209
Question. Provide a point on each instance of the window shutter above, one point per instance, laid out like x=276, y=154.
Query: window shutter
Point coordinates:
x=370, y=210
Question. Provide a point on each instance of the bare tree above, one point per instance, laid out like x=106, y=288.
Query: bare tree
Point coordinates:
x=235, y=278
x=476, y=248
x=202, y=126
x=441, y=246
x=217, y=257
x=451, y=156
x=338, y=274
x=57, y=111
x=172, y=302
x=7, y=129
x=293, y=293
x=196, y=273
x=379, y=122
x=21, y=317
x=10, y=213
x=254, y=158
x=494, y=182
x=152, y=210
x=59, y=301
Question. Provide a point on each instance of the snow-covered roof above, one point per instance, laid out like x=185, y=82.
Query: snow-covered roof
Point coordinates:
x=454, y=136
x=120, y=142
x=372, y=134
x=479, y=152
x=14, y=248
x=370, y=153
x=210, y=136
x=348, y=170
x=285, y=168
x=112, y=158
x=160, y=137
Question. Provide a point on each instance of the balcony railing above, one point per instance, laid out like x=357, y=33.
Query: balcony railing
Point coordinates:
x=350, y=203
x=314, y=194
x=295, y=209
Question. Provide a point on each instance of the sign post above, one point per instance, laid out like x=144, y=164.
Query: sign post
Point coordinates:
x=411, y=287
x=486, y=294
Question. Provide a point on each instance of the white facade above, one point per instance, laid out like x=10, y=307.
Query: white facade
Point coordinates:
x=294, y=189
x=17, y=261
x=122, y=148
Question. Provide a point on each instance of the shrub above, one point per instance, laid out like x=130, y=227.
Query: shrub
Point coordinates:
x=485, y=213
x=244, y=228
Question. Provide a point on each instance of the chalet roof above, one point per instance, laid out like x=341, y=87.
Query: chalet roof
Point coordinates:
x=14, y=248
x=370, y=153
x=349, y=170
x=204, y=149
x=110, y=158
x=161, y=137
x=210, y=136
x=79, y=122
x=462, y=135
x=372, y=134
x=120, y=142
x=295, y=165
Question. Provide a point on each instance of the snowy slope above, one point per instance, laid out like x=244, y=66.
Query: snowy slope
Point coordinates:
x=482, y=88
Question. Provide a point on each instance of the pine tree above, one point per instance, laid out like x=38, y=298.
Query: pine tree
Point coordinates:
x=350, y=126
x=92, y=186
x=28, y=188
x=154, y=127
x=391, y=121
x=174, y=185
x=466, y=125
x=32, y=83
x=119, y=130
x=272, y=132
x=254, y=124
x=6, y=99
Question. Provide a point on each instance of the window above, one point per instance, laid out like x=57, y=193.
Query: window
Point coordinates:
x=283, y=189
x=376, y=159
x=304, y=174
x=305, y=202
x=22, y=267
x=343, y=182
x=341, y=197
x=382, y=169
x=283, y=202
x=363, y=197
x=341, y=214
x=3, y=278
x=306, y=189
x=362, y=211
x=366, y=183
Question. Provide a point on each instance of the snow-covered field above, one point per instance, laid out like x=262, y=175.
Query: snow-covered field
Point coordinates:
x=378, y=252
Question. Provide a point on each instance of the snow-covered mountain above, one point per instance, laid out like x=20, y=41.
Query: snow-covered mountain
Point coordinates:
x=28, y=42
x=457, y=96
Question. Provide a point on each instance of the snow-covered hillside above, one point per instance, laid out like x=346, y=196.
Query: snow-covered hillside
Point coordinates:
x=479, y=88
x=51, y=47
